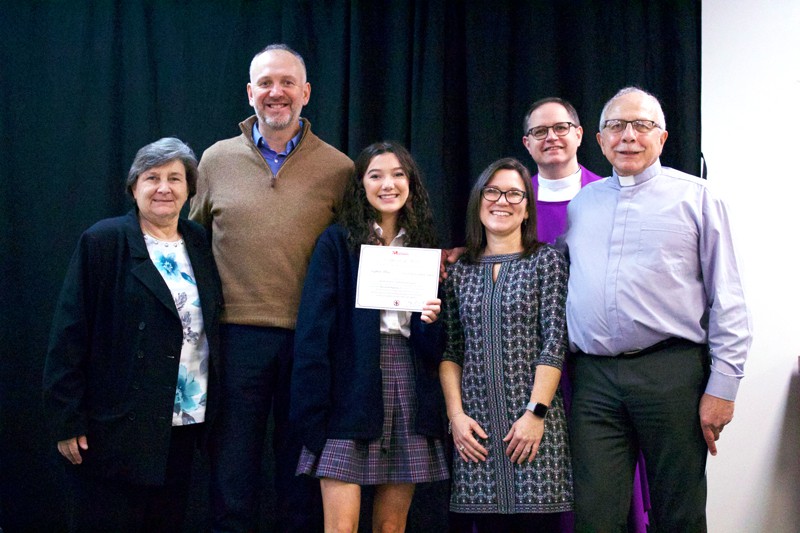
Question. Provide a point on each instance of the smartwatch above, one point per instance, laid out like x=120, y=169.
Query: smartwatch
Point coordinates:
x=538, y=409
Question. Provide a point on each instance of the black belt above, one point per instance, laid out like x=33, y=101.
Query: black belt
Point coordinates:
x=661, y=345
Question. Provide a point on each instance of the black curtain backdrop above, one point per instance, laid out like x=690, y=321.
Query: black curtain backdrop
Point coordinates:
x=83, y=85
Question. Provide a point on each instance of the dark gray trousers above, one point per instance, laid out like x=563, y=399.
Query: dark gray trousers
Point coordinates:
x=650, y=402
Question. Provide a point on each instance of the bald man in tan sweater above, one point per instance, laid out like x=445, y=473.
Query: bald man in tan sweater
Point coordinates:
x=264, y=196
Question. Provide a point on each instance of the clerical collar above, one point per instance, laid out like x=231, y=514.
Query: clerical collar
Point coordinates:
x=560, y=190
x=646, y=175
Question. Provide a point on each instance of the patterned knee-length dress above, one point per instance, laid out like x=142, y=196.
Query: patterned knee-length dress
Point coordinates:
x=498, y=331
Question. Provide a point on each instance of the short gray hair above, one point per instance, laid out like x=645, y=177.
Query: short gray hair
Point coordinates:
x=662, y=122
x=159, y=153
x=279, y=46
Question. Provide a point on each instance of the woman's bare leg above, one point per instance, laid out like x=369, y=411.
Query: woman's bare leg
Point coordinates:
x=390, y=509
x=341, y=503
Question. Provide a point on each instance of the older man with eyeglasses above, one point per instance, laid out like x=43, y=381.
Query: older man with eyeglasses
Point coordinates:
x=552, y=135
x=656, y=311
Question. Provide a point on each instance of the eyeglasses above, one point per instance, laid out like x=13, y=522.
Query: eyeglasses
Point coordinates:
x=559, y=128
x=641, y=126
x=513, y=196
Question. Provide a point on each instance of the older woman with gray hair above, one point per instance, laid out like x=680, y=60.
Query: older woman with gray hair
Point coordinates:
x=130, y=378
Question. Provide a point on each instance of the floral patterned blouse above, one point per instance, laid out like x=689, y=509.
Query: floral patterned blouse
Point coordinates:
x=172, y=262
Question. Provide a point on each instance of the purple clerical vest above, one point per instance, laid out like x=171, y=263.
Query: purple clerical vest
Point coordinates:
x=551, y=217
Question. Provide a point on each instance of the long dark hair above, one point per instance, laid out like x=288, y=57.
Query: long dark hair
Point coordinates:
x=476, y=233
x=357, y=214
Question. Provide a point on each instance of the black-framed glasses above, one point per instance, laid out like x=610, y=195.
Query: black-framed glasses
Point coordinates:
x=641, y=126
x=559, y=128
x=513, y=196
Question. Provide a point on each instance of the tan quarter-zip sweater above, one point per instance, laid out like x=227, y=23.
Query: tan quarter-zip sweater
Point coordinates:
x=263, y=231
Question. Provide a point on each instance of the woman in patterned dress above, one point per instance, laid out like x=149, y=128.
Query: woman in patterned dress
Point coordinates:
x=506, y=339
x=130, y=379
x=365, y=387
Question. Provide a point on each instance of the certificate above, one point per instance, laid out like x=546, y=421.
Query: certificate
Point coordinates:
x=396, y=277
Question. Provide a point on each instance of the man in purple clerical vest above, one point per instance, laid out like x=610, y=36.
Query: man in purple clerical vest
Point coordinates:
x=553, y=134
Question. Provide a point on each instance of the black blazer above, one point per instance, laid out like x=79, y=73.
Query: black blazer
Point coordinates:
x=112, y=363
x=336, y=389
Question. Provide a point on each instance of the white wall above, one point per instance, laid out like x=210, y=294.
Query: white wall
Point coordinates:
x=751, y=139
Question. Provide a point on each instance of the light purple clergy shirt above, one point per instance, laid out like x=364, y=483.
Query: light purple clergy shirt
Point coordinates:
x=651, y=257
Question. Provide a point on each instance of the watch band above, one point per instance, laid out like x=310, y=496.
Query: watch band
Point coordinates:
x=538, y=409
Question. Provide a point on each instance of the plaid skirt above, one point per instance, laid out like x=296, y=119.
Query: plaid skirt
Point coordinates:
x=400, y=455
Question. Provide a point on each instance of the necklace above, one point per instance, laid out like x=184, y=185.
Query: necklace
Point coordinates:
x=165, y=244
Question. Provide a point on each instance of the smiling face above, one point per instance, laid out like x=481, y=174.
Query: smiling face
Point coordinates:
x=386, y=185
x=629, y=151
x=500, y=218
x=278, y=90
x=555, y=156
x=160, y=193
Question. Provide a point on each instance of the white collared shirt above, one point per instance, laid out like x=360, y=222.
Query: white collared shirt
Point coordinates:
x=394, y=322
x=560, y=190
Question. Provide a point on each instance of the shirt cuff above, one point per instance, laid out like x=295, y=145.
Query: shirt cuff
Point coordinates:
x=722, y=386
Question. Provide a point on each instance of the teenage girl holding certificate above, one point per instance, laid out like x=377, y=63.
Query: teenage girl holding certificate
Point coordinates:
x=365, y=387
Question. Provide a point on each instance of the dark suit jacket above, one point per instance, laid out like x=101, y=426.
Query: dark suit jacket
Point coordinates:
x=112, y=364
x=336, y=377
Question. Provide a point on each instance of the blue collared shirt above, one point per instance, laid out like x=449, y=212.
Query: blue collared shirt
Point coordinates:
x=275, y=159
x=651, y=257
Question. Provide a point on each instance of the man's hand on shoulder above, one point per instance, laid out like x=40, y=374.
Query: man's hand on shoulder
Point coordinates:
x=449, y=256
x=715, y=414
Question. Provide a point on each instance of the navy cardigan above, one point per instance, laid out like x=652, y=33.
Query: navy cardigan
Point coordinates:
x=112, y=365
x=336, y=389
